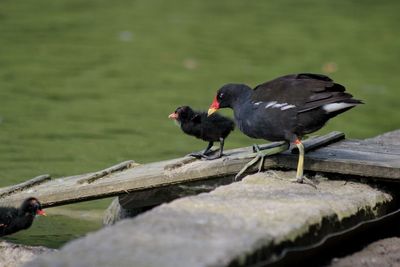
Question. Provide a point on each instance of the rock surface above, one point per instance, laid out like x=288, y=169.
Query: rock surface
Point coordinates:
x=14, y=255
x=389, y=138
x=385, y=252
x=213, y=229
x=114, y=213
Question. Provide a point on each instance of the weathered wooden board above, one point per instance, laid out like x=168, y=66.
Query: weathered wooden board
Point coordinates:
x=25, y=185
x=354, y=157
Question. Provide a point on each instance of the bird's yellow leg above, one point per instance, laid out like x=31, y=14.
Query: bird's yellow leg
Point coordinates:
x=300, y=163
x=300, y=166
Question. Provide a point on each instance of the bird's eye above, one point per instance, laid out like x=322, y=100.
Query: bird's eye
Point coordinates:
x=220, y=95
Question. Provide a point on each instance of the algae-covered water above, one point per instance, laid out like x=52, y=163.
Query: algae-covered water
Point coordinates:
x=87, y=84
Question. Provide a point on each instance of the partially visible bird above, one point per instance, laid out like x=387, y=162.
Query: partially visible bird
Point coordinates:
x=214, y=128
x=15, y=219
x=284, y=109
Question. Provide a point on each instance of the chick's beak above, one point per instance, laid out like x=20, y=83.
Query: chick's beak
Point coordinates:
x=214, y=107
x=173, y=116
x=41, y=212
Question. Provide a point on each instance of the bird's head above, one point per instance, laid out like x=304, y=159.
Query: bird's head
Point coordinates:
x=31, y=206
x=227, y=96
x=182, y=114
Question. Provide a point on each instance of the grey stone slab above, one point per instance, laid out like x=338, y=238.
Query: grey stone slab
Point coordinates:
x=213, y=229
x=389, y=138
x=385, y=252
x=14, y=255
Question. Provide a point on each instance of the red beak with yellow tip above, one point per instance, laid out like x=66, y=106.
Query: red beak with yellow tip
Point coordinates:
x=214, y=106
x=41, y=213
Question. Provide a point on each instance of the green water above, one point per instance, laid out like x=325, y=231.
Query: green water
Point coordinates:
x=87, y=84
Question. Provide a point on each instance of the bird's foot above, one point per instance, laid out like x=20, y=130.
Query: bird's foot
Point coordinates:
x=202, y=154
x=268, y=150
x=197, y=155
x=274, y=174
x=304, y=180
x=259, y=157
x=256, y=148
x=270, y=146
x=216, y=156
x=205, y=156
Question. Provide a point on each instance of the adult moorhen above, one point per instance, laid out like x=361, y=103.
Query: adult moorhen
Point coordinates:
x=14, y=219
x=208, y=128
x=284, y=109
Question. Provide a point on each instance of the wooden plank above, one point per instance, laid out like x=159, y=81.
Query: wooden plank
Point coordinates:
x=101, y=174
x=343, y=157
x=349, y=158
x=319, y=141
x=25, y=185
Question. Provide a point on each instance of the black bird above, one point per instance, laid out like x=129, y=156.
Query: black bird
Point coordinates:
x=14, y=219
x=208, y=128
x=284, y=109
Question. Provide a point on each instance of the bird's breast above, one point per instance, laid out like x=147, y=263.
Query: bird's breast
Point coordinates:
x=250, y=125
x=266, y=121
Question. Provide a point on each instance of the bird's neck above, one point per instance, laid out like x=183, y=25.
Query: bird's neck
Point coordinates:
x=241, y=99
x=240, y=103
x=23, y=221
x=242, y=110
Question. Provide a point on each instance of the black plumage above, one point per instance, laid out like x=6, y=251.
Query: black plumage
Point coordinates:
x=286, y=108
x=15, y=219
x=214, y=128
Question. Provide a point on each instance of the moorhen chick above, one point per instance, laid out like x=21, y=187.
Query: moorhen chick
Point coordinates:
x=14, y=219
x=211, y=128
x=284, y=109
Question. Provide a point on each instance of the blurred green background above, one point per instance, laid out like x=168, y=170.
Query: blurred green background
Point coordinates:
x=87, y=84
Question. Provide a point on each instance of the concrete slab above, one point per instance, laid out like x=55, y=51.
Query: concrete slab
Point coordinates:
x=14, y=255
x=385, y=252
x=224, y=226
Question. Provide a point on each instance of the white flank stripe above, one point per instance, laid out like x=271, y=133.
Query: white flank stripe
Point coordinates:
x=336, y=106
x=288, y=107
x=270, y=104
x=279, y=105
x=258, y=103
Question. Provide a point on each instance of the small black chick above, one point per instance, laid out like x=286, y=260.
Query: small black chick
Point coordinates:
x=208, y=128
x=14, y=219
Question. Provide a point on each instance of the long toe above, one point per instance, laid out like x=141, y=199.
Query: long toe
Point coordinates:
x=248, y=165
x=297, y=180
x=197, y=155
x=281, y=146
x=217, y=156
x=256, y=148
x=271, y=150
x=304, y=180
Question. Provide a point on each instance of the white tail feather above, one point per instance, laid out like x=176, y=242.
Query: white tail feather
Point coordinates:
x=337, y=106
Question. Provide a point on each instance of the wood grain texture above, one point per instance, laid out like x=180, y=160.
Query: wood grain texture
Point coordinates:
x=352, y=157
